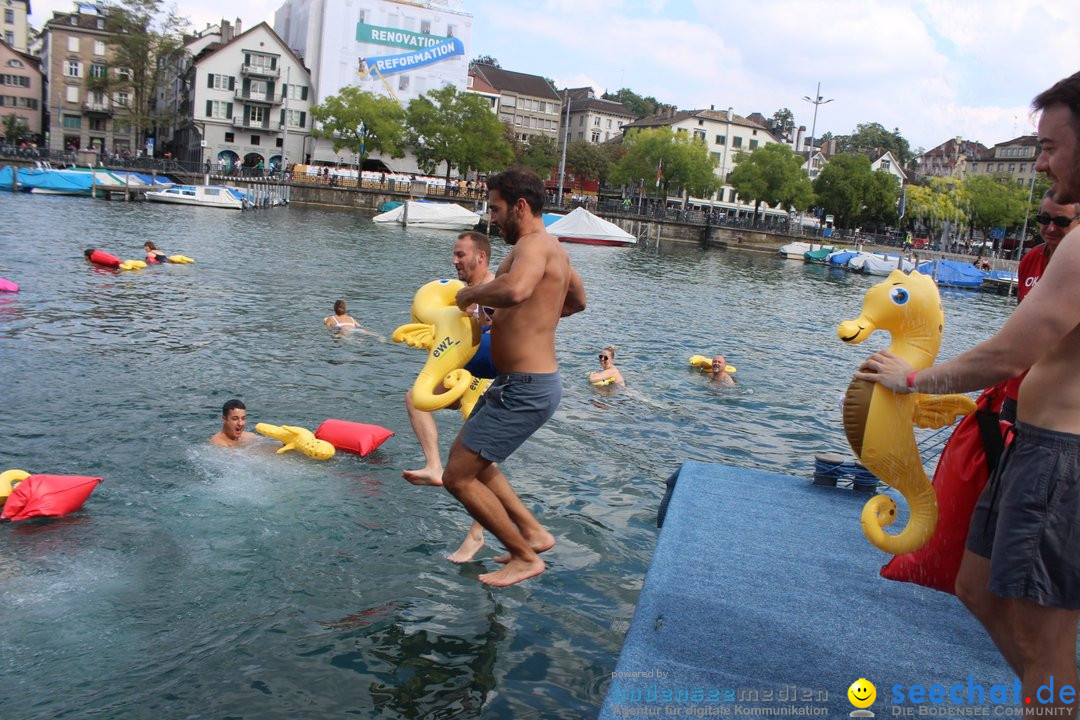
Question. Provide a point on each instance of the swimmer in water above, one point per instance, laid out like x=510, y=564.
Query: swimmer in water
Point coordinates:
x=607, y=369
x=233, y=422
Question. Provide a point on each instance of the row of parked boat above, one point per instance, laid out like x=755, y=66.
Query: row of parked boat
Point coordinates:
x=103, y=183
x=946, y=273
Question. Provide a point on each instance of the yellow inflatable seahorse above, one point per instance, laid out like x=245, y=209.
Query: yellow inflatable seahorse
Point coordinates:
x=705, y=363
x=9, y=480
x=297, y=438
x=878, y=423
x=451, y=338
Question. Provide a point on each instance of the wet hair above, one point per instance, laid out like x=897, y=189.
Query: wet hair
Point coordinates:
x=610, y=350
x=1049, y=195
x=1064, y=92
x=479, y=240
x=230, y=405
x=339, y=307
x=517, y=183
x=149, y=245
x=88, y=252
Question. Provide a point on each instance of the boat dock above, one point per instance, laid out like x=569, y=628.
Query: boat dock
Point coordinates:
x=763, y=598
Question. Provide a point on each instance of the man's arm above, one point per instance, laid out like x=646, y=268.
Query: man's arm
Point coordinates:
x=575, y=295
x=514, y=286
x=1052, y=311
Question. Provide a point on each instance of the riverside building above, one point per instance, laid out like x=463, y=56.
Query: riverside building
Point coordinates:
x=385, y=47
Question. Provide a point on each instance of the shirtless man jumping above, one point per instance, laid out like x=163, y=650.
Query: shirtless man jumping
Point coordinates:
x=534, y=287
x=1020, y=575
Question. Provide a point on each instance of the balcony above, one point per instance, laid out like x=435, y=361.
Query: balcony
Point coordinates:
x=256, y=98
x=260, y=71
x=95, y=108
x=243, y=122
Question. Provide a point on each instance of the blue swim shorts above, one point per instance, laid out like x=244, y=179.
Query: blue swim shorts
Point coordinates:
x=512, y=409
x=481, y=365
x=1027, y=520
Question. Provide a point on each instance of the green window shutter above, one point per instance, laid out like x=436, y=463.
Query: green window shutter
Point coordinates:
x=282, y=117
x=228, y=111
x=232, y=83
x=284, y=91
x=303, y=93
x=247, y=86
x=303, y=119
x=209, y=108
x=209, y=80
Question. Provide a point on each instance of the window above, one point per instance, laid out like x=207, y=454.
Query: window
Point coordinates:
x=581, y=121
x=255, y=139
x=506, y=117
x=1012, y=167
x=886, y=165
x=700, y=122
x=257, y=89
x=16, y=80
x=1001, y=167
x=218, y=109
x=721, y=140
x=509, y=101
x=71, y=93
x=256, y=115
x=753, y=144
x=9, y=17
x=99, y=48
x=9, y=37
x=97, y=124
x=123, y=73
x=230, y=137
x=975, y=167
x=279, y=142
x=425, y=27
x=122, y=99
x=609, y=126
x=73, y=43
x=15, y=63
x=121, y=127
x=297, y=118
x=72, y=121
x=449, y=31
x=294, y=92
x=1022, y=167
x=403, y=82
x=73, y=68
x=699, y=135
x=220, y=82
x=596, y=122
x=98, y=71
x=98, y=98
x=736, y=141
x=260, y=61
x=596, y=136
x=716, y=157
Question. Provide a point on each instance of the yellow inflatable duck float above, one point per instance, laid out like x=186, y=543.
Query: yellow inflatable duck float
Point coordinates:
x=132, y=265
x=705, y=363
x=297, y=438
x=180, y=259
x=878, y=422
x=9, y=480
x=451, y=338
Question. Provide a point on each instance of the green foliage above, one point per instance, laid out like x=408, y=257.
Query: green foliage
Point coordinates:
x=687, y=164
x=459, y=129
x=540, y=154
x=785, y=121
x=869, y=137
x=146, y=41
x=639, y=106
x=339, y=117
x=587, y=161
x=14, y=128
x=935, y=201
x=995, y=201
x=772, y=174
x=850, y=190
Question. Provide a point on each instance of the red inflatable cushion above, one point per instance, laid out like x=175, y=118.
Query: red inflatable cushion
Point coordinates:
x=352, y=437
x=103, y=258
x=958, y=481
x=48, y=496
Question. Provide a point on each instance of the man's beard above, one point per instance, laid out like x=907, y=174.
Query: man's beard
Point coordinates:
x=511, y=232
x=1068, y=193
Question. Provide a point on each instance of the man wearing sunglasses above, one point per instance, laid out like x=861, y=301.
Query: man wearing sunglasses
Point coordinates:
x=1055, y=222
x=1020, y=573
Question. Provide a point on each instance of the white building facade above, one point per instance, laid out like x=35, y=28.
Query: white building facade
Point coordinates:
x=395, y=49
x=250, y=103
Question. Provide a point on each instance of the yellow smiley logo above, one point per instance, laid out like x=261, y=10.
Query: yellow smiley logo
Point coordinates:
x=862, y=693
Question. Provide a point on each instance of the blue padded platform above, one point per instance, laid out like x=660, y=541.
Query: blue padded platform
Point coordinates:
x=763, y=591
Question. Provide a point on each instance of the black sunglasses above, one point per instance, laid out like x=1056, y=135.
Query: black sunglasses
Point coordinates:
x=602, y=356
x=1059, y=220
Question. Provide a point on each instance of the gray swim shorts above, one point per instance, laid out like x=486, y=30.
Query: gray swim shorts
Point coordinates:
x=1027, y=520
x=512, y=409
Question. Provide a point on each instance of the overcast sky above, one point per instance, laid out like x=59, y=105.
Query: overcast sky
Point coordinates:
x=934, y=69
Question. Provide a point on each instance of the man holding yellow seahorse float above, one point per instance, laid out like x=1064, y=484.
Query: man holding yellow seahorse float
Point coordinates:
x=1020, y=575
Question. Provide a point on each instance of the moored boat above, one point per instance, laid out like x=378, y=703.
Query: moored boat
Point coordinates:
x=219, y=196
x=435, y=216
x=581, y=226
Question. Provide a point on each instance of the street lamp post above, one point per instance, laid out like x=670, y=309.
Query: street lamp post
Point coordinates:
x=565, y=141
x=813, y=127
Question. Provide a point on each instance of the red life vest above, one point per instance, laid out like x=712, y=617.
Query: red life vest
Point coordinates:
x=103, y=258
x=352, y=437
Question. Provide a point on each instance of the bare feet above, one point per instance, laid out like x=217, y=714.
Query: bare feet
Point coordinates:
x=427, y=476
x=473, y=541
x=514, y=572
x=541, y=542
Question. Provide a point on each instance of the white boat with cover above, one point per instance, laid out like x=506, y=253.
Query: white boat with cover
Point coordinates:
x=581, y=226
x=436, y=216
x=219, y=196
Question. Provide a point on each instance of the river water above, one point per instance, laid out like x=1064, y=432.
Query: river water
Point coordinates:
x=201, y=582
